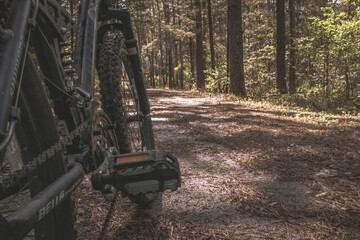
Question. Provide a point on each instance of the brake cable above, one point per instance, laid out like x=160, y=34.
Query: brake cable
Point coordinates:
x=10, y=133
x=13, y=121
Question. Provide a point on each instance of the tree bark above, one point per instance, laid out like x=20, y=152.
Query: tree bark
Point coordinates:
x=152, y=68
x=181, y=57
x=72, y=29
x=211, y=36
x=161, y=69
x=236, y=57
x=191, y=55
x=168, y=46
x=174, y=43
x=181, y=67
x=347, y=81
x=200, y=83
x=280, y=47
x=292, y=66
x=226, y=87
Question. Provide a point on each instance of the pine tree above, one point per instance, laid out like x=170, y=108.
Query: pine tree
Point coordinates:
x=236, y=58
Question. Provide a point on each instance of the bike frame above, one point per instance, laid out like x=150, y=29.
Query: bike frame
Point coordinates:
x=52, y=26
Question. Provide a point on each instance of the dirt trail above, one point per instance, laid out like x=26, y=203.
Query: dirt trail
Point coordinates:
x=247, y=174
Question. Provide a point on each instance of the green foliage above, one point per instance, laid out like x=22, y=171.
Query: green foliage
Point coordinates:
x=328, y=49
x=327, y=44
x=216, y=80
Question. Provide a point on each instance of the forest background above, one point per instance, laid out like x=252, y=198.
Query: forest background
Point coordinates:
x=290, y=52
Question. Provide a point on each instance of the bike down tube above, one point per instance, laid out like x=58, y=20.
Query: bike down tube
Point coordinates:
x=86, y=58
x=18, y=225
x=11, y=52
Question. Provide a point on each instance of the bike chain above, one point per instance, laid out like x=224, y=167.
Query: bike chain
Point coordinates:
x=14, y=178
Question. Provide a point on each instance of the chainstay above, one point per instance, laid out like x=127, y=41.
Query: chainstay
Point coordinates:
x=14, y=178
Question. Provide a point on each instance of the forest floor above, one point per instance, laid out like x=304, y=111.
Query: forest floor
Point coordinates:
x=248, y=172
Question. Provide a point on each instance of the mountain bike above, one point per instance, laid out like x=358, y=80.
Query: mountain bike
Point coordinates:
x=52, y=128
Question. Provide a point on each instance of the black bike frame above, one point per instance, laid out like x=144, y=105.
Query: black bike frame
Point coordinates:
x=19, y=24
x=90, y=34
x=9, y=65
x=91, y=12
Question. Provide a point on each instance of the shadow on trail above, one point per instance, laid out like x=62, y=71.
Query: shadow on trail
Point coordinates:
x=290, y=152
x=285, y=148
x=141, y=225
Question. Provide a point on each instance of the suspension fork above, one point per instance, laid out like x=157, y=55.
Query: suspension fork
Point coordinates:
x=89, y=36
x=124, y=25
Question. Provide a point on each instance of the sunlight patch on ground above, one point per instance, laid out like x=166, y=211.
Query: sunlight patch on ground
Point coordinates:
x=186, y=113
x=160, y=119
x=179, y=100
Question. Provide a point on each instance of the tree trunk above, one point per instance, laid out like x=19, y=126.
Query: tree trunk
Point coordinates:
x=200, y=83
x=138, y=30
x=236, y=57
x=72, y=29
x=269, y=5
x=280, y=47
x=347, y=81
x=326, y=70
x=292, y=66
x=168, y=46
x=161, y=69
x=226, y=90
x=171, y=69
x=211, y=36
x=142, y=33
x=181, y=67
x=191, y=55
x=181, y=58
x=152, y=68
x=174, y=43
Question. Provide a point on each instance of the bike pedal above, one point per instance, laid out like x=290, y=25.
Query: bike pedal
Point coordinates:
x=141, y=173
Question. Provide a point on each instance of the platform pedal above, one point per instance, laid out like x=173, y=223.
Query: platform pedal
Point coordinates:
x=140, y=173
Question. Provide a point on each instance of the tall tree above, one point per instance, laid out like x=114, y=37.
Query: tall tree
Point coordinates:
x=211, y=36
x=191, y=56
x=292, y=65
x=236, y=56
x=181, y=74
x=161, y=65
x=169, y=44
x=280, y=47
x=200, y=83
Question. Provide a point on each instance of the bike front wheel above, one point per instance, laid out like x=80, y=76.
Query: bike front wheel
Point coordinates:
x=121, y=102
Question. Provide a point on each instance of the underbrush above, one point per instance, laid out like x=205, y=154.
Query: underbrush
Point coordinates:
x=301, y=102
x=331, y=114
x=316, y=103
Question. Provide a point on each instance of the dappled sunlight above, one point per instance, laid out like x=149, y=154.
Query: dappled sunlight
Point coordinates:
x=190, y=102
x=159, y=119
x=260, y=168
